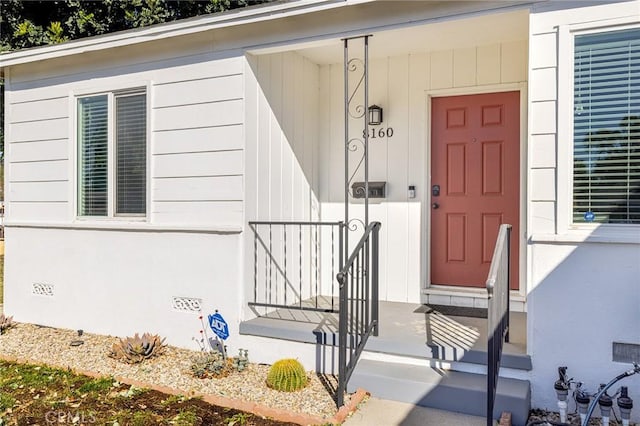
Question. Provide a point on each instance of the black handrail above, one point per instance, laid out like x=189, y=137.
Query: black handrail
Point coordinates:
x=498, y=285
x=358, y=318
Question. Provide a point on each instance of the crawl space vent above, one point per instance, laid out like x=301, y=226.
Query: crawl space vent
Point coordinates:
x=42, y=289
x=187, y=304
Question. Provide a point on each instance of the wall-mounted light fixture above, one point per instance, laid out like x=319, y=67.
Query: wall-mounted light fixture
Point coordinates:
x=375, y=115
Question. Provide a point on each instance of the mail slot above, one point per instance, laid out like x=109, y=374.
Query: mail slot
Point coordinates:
x=376, y=189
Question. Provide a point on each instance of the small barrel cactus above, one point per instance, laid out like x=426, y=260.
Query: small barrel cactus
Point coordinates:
x=287, y=375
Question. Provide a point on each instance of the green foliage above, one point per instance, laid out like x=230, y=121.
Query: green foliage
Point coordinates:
x=238, y=419
x=208, y=364
x=100, y=385
x=241, y=361
x=33, y=23
x=132, y=392
x=6, y=401
x=287, y=375
x=137, y=348
x=185, y=418
x=214, y=364
x=55, y=33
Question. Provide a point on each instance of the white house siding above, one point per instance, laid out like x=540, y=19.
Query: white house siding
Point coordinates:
x=584, y=291
x=120, y=277
x=282, y=104
x=401, y=84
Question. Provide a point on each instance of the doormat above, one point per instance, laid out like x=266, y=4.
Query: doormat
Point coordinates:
x=453, y=311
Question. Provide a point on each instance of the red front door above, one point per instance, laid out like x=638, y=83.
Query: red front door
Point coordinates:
x=475, y=178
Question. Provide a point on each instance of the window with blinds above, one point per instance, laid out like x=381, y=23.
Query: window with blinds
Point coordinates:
x=93, y=156
x=606, y=157
x=112, y=173
x=131, y=154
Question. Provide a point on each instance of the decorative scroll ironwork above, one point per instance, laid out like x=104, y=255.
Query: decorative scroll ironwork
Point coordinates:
x=355, y=224
x=356, y=108
x=358, y=278
x=356, y=120
x=353, y=145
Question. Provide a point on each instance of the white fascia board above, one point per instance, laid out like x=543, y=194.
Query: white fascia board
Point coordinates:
x=172, y=29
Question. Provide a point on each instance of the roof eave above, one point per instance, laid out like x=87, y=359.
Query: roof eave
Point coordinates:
x=171, y=29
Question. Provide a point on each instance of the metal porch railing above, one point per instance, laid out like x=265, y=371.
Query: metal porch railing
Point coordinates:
x=358, y=281
x=498, y=284
x=295, y=264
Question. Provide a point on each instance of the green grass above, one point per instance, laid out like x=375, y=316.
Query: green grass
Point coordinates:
x=103, y=384
x=1, y=278
x=37, y=394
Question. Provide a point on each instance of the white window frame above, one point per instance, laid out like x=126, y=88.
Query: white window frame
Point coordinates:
x=596, y=232
x=111, y=92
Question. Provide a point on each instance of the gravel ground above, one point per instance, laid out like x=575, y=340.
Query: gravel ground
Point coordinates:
x=51, y=346
x=573, y=418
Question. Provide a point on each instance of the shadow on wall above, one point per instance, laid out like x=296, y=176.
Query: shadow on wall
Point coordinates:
x=583, y=298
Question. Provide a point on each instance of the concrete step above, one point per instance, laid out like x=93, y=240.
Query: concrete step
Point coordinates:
x=445, y=390
x=402, y=340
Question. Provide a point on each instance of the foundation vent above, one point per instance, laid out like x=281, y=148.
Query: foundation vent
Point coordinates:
x=42, y=289
x=187, y=304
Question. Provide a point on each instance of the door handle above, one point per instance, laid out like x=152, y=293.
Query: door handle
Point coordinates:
x=435, y=205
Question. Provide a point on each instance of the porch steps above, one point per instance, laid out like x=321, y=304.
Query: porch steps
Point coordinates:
x=425, y=359
x=442, y=389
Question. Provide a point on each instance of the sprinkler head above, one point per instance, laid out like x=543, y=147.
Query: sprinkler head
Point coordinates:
x=625, y=404
x=561, y=392
x=561, y=385
x=582, y=399
x=605, y=402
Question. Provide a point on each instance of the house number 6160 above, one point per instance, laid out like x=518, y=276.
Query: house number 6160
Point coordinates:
x=380, y=132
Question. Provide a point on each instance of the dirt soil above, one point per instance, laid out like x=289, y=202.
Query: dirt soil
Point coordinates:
x=39, y=395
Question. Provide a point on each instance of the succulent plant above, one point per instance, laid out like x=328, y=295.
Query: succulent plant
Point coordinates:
x=136, y=349
x=287, y=375
x=240, y=362
x=5, y=323
x=209, y=364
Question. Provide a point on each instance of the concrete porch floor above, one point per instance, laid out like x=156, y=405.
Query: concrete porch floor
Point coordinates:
x=405, y=330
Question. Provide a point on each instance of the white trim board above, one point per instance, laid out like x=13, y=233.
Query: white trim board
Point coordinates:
x=468, y=297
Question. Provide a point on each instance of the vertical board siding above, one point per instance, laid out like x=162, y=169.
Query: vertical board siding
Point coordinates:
x=281, y=115
x=399, y=84
x=286, y=130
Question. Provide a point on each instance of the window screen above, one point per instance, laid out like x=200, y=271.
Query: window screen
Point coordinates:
x=131, y=154
x=93, y=158
x=606, y=174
